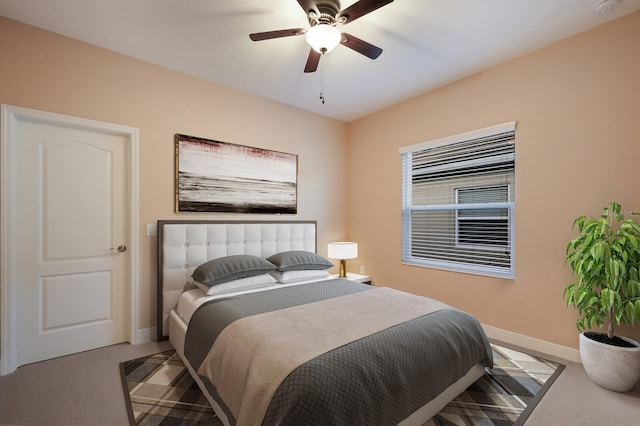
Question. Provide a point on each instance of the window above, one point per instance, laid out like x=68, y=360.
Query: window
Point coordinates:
x=482, y=227
x=458, y=202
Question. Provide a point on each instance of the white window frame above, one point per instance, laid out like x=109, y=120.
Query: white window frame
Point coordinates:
x=407, y=209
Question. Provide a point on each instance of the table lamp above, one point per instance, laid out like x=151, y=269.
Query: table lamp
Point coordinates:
x=342, y=250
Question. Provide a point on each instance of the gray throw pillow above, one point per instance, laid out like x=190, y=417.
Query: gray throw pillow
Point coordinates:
x=224, y=269
x=298, y=260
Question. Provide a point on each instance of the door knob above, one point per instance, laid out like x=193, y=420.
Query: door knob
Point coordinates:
x=121, y=248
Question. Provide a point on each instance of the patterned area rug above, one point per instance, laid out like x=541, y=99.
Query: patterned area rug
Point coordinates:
x=506, y=395
x=159, y=391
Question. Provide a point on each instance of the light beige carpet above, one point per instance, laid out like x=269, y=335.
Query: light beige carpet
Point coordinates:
x=86, y=389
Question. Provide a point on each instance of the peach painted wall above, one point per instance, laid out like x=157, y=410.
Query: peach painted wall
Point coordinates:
x=577, y=108
x=48, y=72
x=576, y=104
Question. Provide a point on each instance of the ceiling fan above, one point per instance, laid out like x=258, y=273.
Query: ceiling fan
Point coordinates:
x=323, y=36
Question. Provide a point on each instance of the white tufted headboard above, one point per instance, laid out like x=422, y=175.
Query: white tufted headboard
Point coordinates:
x=185, y=244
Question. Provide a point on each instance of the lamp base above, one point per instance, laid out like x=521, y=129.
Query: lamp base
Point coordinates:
x=342, y=270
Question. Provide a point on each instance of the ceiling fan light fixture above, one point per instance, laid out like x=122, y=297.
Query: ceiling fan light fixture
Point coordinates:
x=323, y=38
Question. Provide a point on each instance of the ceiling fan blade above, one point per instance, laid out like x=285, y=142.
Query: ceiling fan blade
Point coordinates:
x=312, y=61
x=360, y=9
x=360, y=46
x=277, y=34
x=308, y=6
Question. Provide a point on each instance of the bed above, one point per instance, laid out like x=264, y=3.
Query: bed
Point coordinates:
x=303, y=347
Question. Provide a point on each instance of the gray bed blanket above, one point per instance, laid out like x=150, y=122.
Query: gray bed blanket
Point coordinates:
x=379, y=379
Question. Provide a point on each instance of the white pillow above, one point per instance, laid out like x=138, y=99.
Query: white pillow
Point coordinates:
x=287, y=277
x=248, y=283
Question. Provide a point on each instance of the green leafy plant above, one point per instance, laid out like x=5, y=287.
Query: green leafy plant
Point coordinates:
x=605, y=258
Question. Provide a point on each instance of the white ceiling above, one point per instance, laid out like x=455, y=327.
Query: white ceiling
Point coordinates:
x=426, y=43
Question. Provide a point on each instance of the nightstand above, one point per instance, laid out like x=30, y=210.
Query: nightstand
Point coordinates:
x=365, y=279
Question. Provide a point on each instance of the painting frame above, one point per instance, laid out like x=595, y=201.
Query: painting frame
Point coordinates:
x=216, y=176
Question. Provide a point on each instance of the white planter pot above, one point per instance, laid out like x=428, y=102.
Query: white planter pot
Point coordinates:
x=611, y=367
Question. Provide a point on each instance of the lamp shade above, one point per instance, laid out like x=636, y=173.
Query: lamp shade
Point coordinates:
x=342, y=250
x=323, y=38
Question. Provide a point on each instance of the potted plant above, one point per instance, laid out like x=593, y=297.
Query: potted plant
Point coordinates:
x=605, y=258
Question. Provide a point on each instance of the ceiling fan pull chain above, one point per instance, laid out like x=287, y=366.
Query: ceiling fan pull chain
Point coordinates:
x=322, y=83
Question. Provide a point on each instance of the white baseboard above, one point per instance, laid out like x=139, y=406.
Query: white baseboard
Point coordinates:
x=534, y=344
x=146, y=335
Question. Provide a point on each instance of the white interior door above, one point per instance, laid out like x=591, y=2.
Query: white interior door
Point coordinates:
x=72, y=276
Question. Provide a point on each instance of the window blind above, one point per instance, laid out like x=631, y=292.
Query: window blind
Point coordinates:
x=458, y=202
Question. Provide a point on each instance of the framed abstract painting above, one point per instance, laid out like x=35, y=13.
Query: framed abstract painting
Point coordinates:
x=214, y=176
